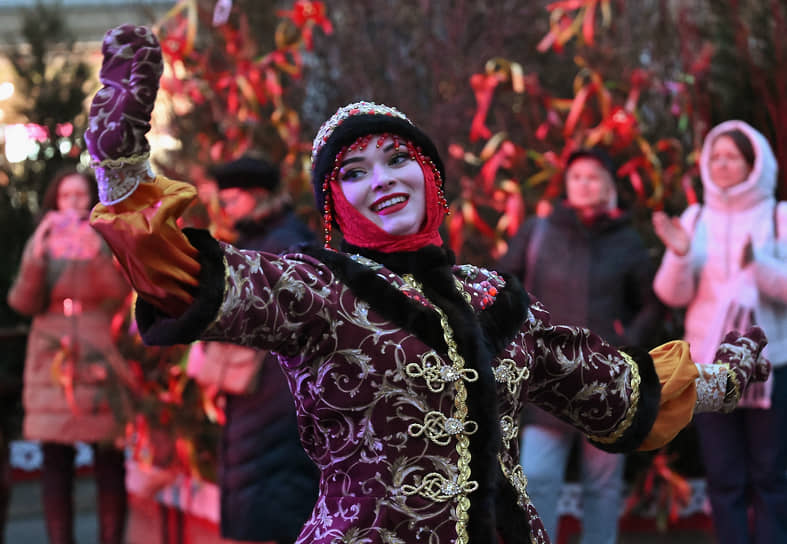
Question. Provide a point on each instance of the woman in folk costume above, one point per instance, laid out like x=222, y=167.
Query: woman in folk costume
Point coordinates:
x=726, y=260
x=407, y=371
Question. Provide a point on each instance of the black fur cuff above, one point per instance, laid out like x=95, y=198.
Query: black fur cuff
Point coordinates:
x=647, y=408
x=159, y=329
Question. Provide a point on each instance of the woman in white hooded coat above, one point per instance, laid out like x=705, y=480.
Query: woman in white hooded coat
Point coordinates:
x=726, y=261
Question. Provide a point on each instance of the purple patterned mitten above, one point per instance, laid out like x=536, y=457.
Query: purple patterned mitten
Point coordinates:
x=742, y=352
x=120, y=112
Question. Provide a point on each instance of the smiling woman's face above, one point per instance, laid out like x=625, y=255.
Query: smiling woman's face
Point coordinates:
x=385, y=185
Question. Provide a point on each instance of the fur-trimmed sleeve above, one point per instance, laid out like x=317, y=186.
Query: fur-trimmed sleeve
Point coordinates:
x=610, y=394
x=623, y=399
x=160, y=329
x=644, y=405
x=251, y=298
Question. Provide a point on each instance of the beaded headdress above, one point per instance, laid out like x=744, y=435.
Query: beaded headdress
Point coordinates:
x=356, y=108
x=355, y=121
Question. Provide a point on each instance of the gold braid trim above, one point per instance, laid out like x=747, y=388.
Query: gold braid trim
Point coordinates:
x=438, y=488
x=436, y=374
x=733, y=391
x=461, y=289
x=636, y=380
x=463, y=485
x=120, y=162
x=508, y=373
x=518, y=480
x=441, y=429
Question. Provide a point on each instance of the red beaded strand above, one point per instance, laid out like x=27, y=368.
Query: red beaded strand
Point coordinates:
x=417, y=154
x=360, y=144
x=327, y=209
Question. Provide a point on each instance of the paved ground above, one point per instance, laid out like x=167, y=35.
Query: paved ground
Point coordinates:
x=148, y=521
x=25, y=520
x=26, y=525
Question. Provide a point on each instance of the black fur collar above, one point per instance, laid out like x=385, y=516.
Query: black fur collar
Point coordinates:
x=383, y=297
x=407, y=262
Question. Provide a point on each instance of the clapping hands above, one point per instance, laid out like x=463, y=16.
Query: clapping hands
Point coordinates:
x=671, y=233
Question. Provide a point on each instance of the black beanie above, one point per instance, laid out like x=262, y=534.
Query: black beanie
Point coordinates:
x=246, y=173
x=359, y=119
x=598, y=155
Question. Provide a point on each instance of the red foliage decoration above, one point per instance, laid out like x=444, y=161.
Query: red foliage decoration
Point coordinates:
x=602, y=112
x=659, y=489
x=306, y=15
x=238, y=89
x=563, y=27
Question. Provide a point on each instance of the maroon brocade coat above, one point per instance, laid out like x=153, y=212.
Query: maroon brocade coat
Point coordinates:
x=408, y=380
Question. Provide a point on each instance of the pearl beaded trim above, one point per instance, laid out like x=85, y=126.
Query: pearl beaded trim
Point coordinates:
x=356, y=108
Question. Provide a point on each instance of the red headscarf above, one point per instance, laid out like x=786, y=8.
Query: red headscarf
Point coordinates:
x=362, y=232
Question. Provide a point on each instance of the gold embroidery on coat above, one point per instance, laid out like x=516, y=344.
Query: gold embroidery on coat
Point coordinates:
x=508, y=373
x=518, y=479
x=436, y=373
x=734, y=395
x=461, y=288
x=436, y=486
x=508, y=430
x=633, y=404
x=440, y=429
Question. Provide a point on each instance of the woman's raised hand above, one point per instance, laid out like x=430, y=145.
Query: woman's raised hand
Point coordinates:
x=38, y=240
x=120, y=112
x=671, y=233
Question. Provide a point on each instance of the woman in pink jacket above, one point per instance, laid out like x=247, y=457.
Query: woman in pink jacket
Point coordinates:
x=70, y=285
x=725, y=262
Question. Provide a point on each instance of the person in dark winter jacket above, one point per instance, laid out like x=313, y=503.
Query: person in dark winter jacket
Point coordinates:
x=587, y=264
x=268, y=484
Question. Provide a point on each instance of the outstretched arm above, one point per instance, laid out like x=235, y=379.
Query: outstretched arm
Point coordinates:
x=190, y=285
x=626, y=399
x=138, y=212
